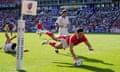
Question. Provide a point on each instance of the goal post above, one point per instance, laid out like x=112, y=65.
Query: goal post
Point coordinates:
x=28, y=8
x=20, y=42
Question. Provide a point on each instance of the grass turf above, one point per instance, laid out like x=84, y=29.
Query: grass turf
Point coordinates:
x=42, y=58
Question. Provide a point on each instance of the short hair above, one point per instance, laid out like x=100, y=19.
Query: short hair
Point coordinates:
x=63, y=11
x=79, y=30
x=13, y=46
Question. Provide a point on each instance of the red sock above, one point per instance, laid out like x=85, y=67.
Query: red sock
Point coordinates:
x=52, y=43
x=49, y=33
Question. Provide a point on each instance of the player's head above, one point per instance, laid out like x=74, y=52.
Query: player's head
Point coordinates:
x=80, y=31
x=11, y=22
x=64, y=12
x=40, y=21
x=6, y=23
x=13, y=46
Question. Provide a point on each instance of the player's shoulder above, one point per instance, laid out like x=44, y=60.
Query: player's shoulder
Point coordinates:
x=84, y=37
x=39, y=23
x=73, y=36
x=67, y=17
x=60, y=17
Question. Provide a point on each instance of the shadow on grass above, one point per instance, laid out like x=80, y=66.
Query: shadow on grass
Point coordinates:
x=91, y=68
x=89, y=59
x=11, y=53
x=21, y=71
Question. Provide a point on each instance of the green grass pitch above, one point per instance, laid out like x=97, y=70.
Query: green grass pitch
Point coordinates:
x=42, y=58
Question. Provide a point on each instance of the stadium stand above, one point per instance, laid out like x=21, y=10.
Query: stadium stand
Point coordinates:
x=92, y=15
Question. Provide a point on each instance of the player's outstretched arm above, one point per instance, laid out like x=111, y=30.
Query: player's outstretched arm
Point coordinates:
x=72, y=51
x=89, y=45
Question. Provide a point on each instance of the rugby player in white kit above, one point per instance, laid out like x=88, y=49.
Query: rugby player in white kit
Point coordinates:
x=63, y=23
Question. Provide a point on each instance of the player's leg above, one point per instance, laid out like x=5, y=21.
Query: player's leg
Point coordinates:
x=10, y=30
x=0, y=47
x=13, y=37
x=11, y=33
x=51, y=35
x=54, y=45
x=65, y=31
x=7, y=36
x=38, y=32
x=14, y=29
x=14, y=46
x=60, y=31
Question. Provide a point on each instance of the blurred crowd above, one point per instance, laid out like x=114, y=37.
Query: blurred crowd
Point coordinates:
x=9, y=3
x=101, y=20
x=91, y=19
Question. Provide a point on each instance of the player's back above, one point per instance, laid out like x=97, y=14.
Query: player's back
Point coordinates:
x=75, y=40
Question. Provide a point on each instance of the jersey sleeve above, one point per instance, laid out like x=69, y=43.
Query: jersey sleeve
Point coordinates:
x=68, y=22
x=84, y=38
x=58, y=20
x=72, y=38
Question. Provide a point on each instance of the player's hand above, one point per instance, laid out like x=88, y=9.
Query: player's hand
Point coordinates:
x=75, y=58
x=61, y=26
x=91, y=49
